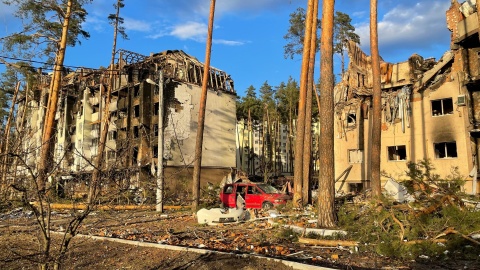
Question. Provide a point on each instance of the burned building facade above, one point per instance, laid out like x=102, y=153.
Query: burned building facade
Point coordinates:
x=138, y=82
x=430, y=110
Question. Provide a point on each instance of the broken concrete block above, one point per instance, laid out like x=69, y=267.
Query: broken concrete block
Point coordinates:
x=216, y=216
x=397, y=191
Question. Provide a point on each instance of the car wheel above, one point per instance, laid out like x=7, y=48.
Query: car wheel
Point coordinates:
x=267, y=205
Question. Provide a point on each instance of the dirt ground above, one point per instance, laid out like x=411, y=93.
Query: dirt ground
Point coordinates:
x=18, y=243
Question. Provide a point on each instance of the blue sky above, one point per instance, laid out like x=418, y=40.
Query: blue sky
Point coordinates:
x=248, y=34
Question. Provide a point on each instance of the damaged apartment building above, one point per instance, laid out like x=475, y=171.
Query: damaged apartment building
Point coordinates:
x=132, y=142
x=430, y=109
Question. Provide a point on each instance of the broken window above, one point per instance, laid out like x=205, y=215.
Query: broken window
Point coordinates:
x=351, y=119
x=445, y=150
x=112, y=135
x=397, y=152
x=111, y=154
x=95, y=142
x=228, y=189
x=136, y=132
x=155, y=130
x=442, y=107
x=135, y=155
x=155, y=151
x=355, y=156
x=355, y=187
x=136, y=111
x=155, y=108
x=136, y=91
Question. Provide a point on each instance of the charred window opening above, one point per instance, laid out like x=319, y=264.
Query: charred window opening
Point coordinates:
x=445, y=150
x=442, y=107
x=155, y=130
x=136, y=132
x=136, y=91
x=135, y=155
x=351, y=119
x=355, y=156
x=156, y=107
x=95, y=142
x=355, y=187
x=111, y=154
x=155, y=151
x=397, y=153
x=136, y=111
x=112, y=135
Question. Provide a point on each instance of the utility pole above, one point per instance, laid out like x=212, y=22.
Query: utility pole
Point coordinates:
x=201, y=114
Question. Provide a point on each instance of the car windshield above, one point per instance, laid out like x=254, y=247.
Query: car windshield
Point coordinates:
x=268, y=189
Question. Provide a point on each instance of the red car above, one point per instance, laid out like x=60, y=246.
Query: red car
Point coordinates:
x=255, y=195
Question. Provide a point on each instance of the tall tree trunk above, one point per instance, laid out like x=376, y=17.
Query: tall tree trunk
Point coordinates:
x=307, y=155
x=96, y=175
x=326, y=190
x=48, y=128
x=5, y=143
x=201, y=114
x=377, y=99
x=300, y=136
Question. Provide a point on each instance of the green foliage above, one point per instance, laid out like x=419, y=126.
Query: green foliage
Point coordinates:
x=115, y=19
x=287, y=96
x=422, y=178
x=249, y=102
x=42, y=27
x=402, y=232
x=296, y=34
x=343, y=31
x=14, y=73
x=286, y=234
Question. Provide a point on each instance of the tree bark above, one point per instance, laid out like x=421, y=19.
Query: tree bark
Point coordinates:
x=326, y=191
x=96, y=175
x=300, y=136
x=201, y=114
x=307, y=155
x=5, y=143
x=377, y=99
x=48, y=134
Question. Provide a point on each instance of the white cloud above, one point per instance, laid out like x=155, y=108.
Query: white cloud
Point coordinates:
x=228, y=42
x=409, y=28
x=137, y=25
x=190, y=30
x=200, y=8
x=96, y=24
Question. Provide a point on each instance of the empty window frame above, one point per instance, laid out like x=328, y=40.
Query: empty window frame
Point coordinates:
x=155, y=151
x=111, y=154
x=442, y=107
x=135, y=155
x=355, y=156
x=136, y=91
x=397, y=153
x=155, y=130
x=351, y=119
x=155, y=108
x=136, y=111
x=445, y=150
x=136, y=131
x=112, y=135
